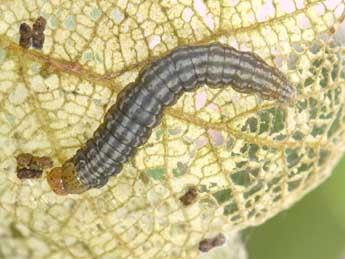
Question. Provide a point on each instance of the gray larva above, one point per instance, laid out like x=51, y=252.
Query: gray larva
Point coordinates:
x=139, y=107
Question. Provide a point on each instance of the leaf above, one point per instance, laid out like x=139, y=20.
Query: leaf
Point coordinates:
x=248, y=158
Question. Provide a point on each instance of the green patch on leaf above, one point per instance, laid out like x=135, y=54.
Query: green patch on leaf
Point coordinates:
x=275, y=117
x=256, y=188
x=273, y=182
x=335, y=125
x=253, y=152
x=313, y=104
x=304, y=168
x=318, y=62
x=88, y=56
x=95, y=14
x=308, y=81
x=318, y=130
x=159, y=134
x=54, y=22
x=335, y=72
x=223, y=195
x=323, y=155
x=324, y=79
x=174, y=131
x=251, y=125
x=70, y=23
x=292, y=157
x=180, y=169
x=293, y=185
x=11, y=119
x=230, y=209
x=157, y=173
x=241, y=178
x=298, y=135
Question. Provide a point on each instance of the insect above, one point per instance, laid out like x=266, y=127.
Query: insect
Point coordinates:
x=38, y=32
x=25, y=35
x=139, y=107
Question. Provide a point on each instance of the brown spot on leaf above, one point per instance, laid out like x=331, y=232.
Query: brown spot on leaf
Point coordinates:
x=190, y=196
x=24, y=159
x=25, y=35
x=39, y=24
x=38, y=40
x=29, y=166
x=25, y=173
x=38, y=33
x=207, y=244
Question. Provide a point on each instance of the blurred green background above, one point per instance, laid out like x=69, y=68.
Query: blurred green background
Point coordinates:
x=314, y=228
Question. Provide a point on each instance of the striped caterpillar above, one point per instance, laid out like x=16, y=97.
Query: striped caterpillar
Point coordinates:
x=139, y=107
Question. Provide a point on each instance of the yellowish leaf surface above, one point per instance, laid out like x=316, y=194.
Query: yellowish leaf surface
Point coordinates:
x=248, y=158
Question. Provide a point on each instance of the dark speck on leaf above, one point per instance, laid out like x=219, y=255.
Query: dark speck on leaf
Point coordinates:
x=25, y=173
x=29, y=166
x=190, y=196
x=39, y=24
x=38, y=33
x=206, y=245
x=25, y=35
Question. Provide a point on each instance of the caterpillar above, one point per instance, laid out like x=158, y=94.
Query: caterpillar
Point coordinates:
x=139, y=107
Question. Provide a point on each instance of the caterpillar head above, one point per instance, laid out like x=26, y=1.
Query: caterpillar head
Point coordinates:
x=63, y=180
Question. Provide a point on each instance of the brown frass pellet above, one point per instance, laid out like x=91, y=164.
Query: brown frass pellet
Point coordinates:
x=25, y=35
x=30, y=166
x=190, y=196
x=207, y=244
x=38, y=33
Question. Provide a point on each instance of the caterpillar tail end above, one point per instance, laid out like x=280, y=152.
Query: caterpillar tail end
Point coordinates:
x=63, y=180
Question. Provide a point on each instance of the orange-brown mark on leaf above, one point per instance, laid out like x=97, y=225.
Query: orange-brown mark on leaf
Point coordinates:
x=190, y=196
x=63, y=180
x=207, y=244
x=66, y=66
x=29, y=166
x=25, y=35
